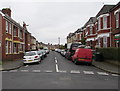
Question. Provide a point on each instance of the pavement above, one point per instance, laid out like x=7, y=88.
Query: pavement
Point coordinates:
x=10, y=65
x=107, y=66
x=104, y=65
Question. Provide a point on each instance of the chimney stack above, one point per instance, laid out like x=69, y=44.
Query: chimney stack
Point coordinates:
x=7, y=11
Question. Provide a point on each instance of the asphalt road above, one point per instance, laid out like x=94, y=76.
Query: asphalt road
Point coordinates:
x=56, y=72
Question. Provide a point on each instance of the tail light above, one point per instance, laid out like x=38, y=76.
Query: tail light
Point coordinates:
x=36, y=56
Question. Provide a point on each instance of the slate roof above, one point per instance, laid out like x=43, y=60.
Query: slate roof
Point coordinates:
x=105, y=9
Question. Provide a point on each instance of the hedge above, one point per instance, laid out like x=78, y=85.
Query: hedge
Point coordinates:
x=110, y=53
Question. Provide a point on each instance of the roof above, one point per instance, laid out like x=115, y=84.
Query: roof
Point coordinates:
x=118, y=4
x=90, y=21
x=105, y=9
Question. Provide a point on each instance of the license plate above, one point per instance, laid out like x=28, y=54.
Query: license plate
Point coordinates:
x=81, y=59
x=29, y=60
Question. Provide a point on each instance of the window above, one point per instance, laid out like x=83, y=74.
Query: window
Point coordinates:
x=117, y=19
x=15, y=31
x=104, y=22
x=21, y=34
x=10, y=47
x=7, y=27
x=105, y=42
x=10, y=28
x=6, y=47
x=90, y=29
x=99, y=26
x=15, y=48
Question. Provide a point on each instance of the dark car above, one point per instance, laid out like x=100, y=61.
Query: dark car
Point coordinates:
x=70, y=52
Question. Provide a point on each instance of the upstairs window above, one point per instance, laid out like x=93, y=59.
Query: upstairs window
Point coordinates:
x=10, y=28
x=91, y=29
x=104, y=22
x=21, y=34
x=99, y=24
x=7, y=24
x=117, y=19
x=15, y=31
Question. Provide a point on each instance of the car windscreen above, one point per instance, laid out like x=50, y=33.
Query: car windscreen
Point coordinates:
x=30, y=53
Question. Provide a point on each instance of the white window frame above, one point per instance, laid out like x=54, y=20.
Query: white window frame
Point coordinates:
x=6, y=47
x=15, y=32
x=10, y=47
x=99, y=24
x=7, y=28
x=91, y=29
x=104, y=22
x=117, y=19
x=15, y=48
x=10, y=28
x=104, y=41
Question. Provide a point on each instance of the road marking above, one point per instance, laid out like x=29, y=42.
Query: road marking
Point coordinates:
x=55, y=58
x=115, y=75
x=88, y=72
x=4, y=71
x=56, y=61
x=49, y=71
x=62, y=71
x=74, y=71
x=26, y=66
x=13, y=70
x=24, y=71
x=102, y=73
x=57, y=68
x=35, y=70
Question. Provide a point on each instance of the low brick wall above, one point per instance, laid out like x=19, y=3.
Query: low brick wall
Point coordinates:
x=12, y=57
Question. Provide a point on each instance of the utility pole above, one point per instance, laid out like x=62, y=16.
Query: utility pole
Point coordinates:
x=59, y=41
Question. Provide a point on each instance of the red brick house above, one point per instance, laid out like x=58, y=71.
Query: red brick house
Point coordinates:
x=103, y=32
x=115, y=25
x=91, y=32
x=13, y=37
x=27, y=38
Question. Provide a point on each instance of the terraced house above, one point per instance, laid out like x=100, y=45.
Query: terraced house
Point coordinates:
x=103, y=30
x=13, y=36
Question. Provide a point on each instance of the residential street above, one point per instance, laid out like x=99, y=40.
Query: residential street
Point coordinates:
x=56, y=72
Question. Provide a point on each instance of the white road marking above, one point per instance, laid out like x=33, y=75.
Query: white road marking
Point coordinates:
x=24, y=71
x=4, y=71
x=62, y=71
x=115, y=75
x=74, y=71
x=56, y=61
x=55, y=58
x=102, y=73
x=49, y=71
x=26, y=66
x=57, y=68
x=88, y=72
x=35, y=70
x=13, y=70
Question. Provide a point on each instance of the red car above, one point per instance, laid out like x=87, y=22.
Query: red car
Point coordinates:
x=82, y=55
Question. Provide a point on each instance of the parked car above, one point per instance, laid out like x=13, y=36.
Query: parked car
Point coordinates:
x=72, y=48
x=82, y=55
x=32, y=57
x=44, y=53
x=41, y=54
x=63, y=52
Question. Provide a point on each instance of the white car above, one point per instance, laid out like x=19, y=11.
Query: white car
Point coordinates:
x=32, y=57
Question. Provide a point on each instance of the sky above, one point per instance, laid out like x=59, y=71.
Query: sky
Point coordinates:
x=50, y=19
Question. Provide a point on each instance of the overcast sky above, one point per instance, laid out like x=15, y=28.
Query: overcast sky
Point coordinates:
x=49, y=20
